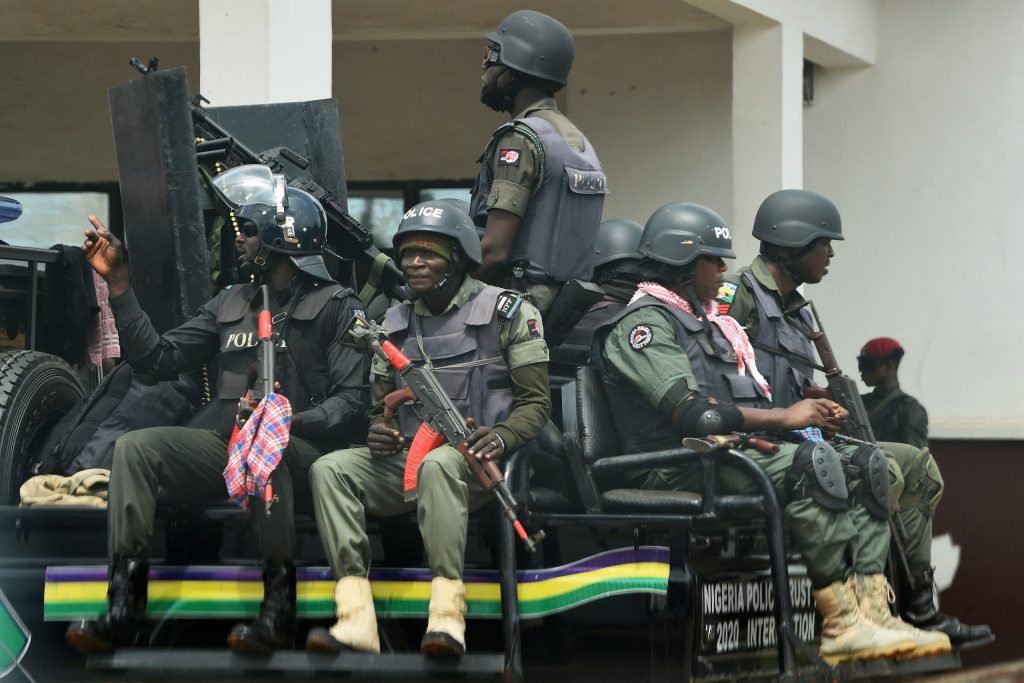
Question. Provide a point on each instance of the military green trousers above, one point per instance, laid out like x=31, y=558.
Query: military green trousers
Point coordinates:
x=916, y=500
x=350, y=484
x=834, y=544
x=190, y=464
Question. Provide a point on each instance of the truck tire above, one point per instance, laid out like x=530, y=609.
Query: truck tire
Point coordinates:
x=36, y=390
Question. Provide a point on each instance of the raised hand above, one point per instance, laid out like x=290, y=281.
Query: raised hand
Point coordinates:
x=105, y=254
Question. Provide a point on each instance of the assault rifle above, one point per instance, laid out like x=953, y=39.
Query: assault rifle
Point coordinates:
x=443, y=423
x=345, y=233
x=264, y=385
x=844, y=390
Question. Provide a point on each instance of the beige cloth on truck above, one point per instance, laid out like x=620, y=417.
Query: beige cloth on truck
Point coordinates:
x=88, y=488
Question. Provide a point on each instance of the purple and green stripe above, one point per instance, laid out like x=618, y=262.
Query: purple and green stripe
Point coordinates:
x=222, y=591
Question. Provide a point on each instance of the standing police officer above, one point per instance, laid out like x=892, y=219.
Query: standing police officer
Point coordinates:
x=796, y=229
x=674, y=368
x=487, y=349
x=282, y=234
x=540, y=190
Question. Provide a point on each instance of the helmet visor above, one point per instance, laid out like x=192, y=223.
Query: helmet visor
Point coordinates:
x=249, y=184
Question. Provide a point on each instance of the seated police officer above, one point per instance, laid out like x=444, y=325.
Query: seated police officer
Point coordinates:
x=796, y=229
x=615, y=271
x=540, y=190
x=487, y=349
x=673, y=368
x=280, y=242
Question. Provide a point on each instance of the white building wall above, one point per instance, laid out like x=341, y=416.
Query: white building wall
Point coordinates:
x=923, y=154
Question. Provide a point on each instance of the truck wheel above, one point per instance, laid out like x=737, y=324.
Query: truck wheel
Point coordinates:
x=36, y=390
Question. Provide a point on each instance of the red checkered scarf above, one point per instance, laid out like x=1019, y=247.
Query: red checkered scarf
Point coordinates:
x=255, y=450
x=732, y=330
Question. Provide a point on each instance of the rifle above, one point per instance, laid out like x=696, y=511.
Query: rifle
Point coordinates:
x=350, y=236
x=844, y=390
x=264, y=384
x=443, y=423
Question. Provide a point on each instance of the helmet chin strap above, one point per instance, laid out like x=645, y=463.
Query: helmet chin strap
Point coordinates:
x=256, y=268
x=786, y=261
x=500, y=98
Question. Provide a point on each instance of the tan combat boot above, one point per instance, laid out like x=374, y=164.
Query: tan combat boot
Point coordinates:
x=356, y=628
x=875, y=598
x=848, y=634
x=446, y=625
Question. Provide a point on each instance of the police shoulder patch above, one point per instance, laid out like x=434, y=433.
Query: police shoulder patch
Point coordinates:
x=509, y=157
x=640, y=337
x=508, y=305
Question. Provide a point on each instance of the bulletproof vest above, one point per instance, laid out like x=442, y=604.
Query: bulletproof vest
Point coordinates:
x=300, y=363
x=643, y=427
x=558, y=232
x=575, y=348
x=463, y=349
x=786, y=374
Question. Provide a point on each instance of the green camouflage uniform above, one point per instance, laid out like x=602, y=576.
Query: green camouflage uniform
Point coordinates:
x=916, y=483
x=833, y=544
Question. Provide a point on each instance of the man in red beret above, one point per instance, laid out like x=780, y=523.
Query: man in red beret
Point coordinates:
x=894, y=415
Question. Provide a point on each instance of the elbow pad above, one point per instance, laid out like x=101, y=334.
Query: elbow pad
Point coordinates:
x=698, y=417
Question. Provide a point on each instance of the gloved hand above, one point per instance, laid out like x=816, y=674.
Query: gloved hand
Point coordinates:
x=484, y=443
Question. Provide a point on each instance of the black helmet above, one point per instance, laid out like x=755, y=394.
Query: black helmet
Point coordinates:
x=443, y=217
x=287, y=220
x=795, y=218
x=677, y=233
x=535, y=44
x=618, y=240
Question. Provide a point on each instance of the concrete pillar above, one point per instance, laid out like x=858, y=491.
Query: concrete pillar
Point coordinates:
x=767, y=121
x=264, y=51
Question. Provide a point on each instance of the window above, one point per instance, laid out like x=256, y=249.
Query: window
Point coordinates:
x=54, y=217
x=380, y=205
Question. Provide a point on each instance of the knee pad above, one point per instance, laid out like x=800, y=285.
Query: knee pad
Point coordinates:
x=817, y=473
x=869, y=465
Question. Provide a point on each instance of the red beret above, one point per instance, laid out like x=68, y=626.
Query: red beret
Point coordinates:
x=881, y=347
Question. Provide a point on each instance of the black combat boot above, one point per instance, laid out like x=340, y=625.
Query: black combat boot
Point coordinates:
x=274, y=628
x=920, y=608
x=126, y=611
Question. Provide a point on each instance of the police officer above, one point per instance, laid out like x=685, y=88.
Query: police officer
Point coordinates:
x=673, y=368
x=280, y=242
x=796, y=229
x=894, y=414
x=616, y=271
x=487, y=347
x=540, y=190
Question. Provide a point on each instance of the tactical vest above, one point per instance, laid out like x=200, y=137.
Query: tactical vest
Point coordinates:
x=641, y=426
x=575, y=348
x=787, y=375
x=300, y=364
x=463, y=349
x=558, y=232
